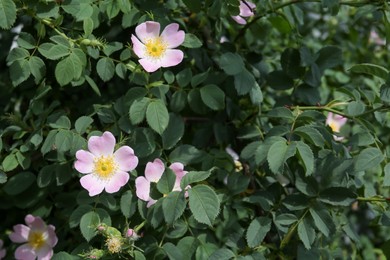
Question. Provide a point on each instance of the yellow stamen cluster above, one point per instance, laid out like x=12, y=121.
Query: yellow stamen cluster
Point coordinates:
x=105, y=166
x=238, y=166
x=114, y=244
x=155, y=48
x=334, y=126
x=36, y=240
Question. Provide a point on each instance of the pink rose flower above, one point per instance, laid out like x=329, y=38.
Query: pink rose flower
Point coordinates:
x=153, y=172
x=335, y=122
x=155, y=50
x=246, y=10
x=104, y=169
x=38, y=237
x=2, y=250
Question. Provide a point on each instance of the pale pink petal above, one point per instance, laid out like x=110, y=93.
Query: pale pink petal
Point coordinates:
x=35, y=223
x=118, y=180
x=245, y=11
x=125, y=158
x=172, y=36
x=171, y=58
x=2, y=253
x=154, y=170
x=239, y=19
x=25, y=252
x=150, y=203
x=102, y=145
x=92, y=184
x=147, y=30
x=329, y=118
x=232, y=153
x=150, y=65
x=44, y=253
x=52, y=239
x=20, y=234
x=142, y=188
x=84, y=162
x=138, y=47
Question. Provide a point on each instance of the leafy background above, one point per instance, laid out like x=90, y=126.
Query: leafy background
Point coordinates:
x=263, y=89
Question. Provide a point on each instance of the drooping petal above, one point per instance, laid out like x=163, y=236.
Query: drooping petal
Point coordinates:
x=142, y=188
x=147, y=30
x=172, y=36
x=154, y=170
x=125, y=158
x=150, y=203
x=52, y=239
x=20, y=234
x=232, y=153
x=138, y=47
x=44, y=253
x=329, y=118
x=85, y=161
x=178, y=169
x=239, y=19
x=171, y=58
x=246, y=10
x=150, y=65
x=25, y=252
x=92, y=184
x=118, y=180
x=102, y=145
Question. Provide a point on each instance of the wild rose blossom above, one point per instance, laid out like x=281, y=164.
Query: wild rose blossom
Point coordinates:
x=38, y=238
x=2, y=250
x=153, y=172
x=246, y=10
x=335, y=122
x=105, y=169
x=155, y=50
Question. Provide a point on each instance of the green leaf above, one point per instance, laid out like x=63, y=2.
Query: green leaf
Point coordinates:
x=186, y=154
x=231, y=63
x=184, y=77
x=281, y=24
x=194, y=6
x=222, y=254
x=204, y=204
x=19, y=71
x=10, y=163
x=191, y=41
x=157, y=116
x=167, y=181
x=385, y=93
x=88, y=26
x=172, y=251
x=63, y=140
x=370, y=69
x=77, y=214
x=63, y=256
x=88, y=225
x=37, y=68
x=386, y=179
x=82, y=123
x=178, y=101
x=307, y=157
x=257, y=230
x=173, y=206
x=194, y=176
x=369, y=158
x=68, y=69
x=17, y=54
x=213, y=97
x=174, y=131
x=52, y=51
x=127, y=204
x=311, y=134
x=337, y=196
x=137, y=110
x=322, y=219
x=279, y=80
x=48, y=145
x=3, y=177
x=7, y=13
x=92, y=84
x=277, y=155
x=62, y=122
x=329, y=57
x=291, y=63
x=19, y=183
x=306, y=233
x=355, y=108
x=244, y=82
x=105, y=68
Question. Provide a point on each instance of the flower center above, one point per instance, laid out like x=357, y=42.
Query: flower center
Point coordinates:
x=36, y=240
x=155, y=48
x=105, y=166
x=335, y=127
x=114, y=245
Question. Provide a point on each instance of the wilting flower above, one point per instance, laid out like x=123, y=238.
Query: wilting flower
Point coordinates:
x=114, y=244
x=238, y=165
x=153, y=172
x=104, y=169
x=132, y=234
x=335, y=122
x=38, y=237
x=246, y=10
x=155, y=50
x=2, y=250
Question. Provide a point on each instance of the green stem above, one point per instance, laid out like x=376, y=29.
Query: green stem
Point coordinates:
x=292, y=230
x=373, y=199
